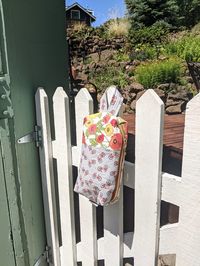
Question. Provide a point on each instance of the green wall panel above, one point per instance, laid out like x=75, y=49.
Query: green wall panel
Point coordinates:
x=6, y=245
x=36, y=55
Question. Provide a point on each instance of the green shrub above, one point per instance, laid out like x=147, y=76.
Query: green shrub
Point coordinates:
x=108, y=76
x=157, y=72
x=154, y=34
x=187, y=48
x=144, y=52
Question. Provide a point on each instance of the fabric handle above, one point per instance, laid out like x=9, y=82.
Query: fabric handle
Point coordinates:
x=111, y=101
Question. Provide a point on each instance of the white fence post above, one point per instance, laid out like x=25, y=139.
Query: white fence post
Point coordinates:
x=46, y=164
x=63, y=153
x=148, y=147
x=113, y=222
x=83, y=107
x=188, y=242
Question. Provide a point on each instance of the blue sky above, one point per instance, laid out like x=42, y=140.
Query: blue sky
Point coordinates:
x=103, y=9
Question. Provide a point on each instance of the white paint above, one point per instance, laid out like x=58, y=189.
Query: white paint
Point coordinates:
x=113, y=218
x=188, y=241
x=148, y=154
x=83, y=107
x=182, y=238
x=113, y=233
x=168, y=235
x=62, y=153
x=46, y=164
x=171, y=188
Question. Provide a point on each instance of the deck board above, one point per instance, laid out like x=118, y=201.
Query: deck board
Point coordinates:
x=172, y=140
x=173, y=130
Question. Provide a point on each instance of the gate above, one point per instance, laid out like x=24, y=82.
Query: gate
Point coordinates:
x=145, y=176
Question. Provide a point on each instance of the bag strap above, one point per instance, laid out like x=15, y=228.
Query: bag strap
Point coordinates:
x=111, y=101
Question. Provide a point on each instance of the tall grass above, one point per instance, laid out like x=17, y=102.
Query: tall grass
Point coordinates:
x=118, y=27
x=157, y=72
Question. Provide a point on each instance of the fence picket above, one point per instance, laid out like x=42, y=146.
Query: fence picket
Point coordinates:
x=113, y=221
x=46, y=163
x=62, y=152
x=113, y=233
x=188, y=242
x=149, y=118
x=83, y=107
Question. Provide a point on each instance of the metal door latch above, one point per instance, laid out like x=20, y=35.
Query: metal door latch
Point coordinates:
x=35, y=136
x=43, y=257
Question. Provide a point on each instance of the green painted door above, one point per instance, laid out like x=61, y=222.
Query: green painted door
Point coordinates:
x=6, y=238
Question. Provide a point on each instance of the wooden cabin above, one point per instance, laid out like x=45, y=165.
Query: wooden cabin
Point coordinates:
x=77, y=14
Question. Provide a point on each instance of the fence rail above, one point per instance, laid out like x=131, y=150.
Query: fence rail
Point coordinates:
x=145, y=176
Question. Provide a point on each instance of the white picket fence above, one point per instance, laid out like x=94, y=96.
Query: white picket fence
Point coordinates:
x=145, y=176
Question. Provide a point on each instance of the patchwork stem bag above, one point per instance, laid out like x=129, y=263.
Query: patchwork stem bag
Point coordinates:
x=103, y=151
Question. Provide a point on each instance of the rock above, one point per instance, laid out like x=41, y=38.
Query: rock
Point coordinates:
x=130, y=111
x=136, y=87
x=171, y=102
x=95, y=48
x=94, y=57
x=173, y=86
x=164, y=86
x=96, y=40
x=180, y=94
x=126, y=108
x=126, y=96
x=176, y=109
x=79, y=68
x=107, y=54
x=133, y=104
x=112, y=62
x=139, y=94
x=161, y=94
x=167, y=260
x=82, y=76
x=132, y=95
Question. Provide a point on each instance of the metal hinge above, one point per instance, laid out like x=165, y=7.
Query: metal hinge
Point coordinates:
x=35, y=136
x=43, y=257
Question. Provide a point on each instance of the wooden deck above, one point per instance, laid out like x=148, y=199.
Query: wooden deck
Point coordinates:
x=172, y=164
x=173, y=142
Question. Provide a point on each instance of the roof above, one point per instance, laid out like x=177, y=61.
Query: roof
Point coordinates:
x=88, y=11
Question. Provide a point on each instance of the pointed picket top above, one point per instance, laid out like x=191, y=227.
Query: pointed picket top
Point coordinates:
x=47, y=173
x=40, y=93
x=83, y=94
x=59, y=93
x=148, y=160
x=83, y=106
x=148, y=98
x=189, y=216
x=194, y=104
x=63, y=154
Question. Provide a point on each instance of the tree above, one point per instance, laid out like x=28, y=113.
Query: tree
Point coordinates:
x=189, y=12
x=147, y=12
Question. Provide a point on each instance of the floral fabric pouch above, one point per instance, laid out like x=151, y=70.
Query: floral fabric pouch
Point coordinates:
x=103, y=151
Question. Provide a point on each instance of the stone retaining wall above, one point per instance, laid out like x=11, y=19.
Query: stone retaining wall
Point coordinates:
x=92, y=53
